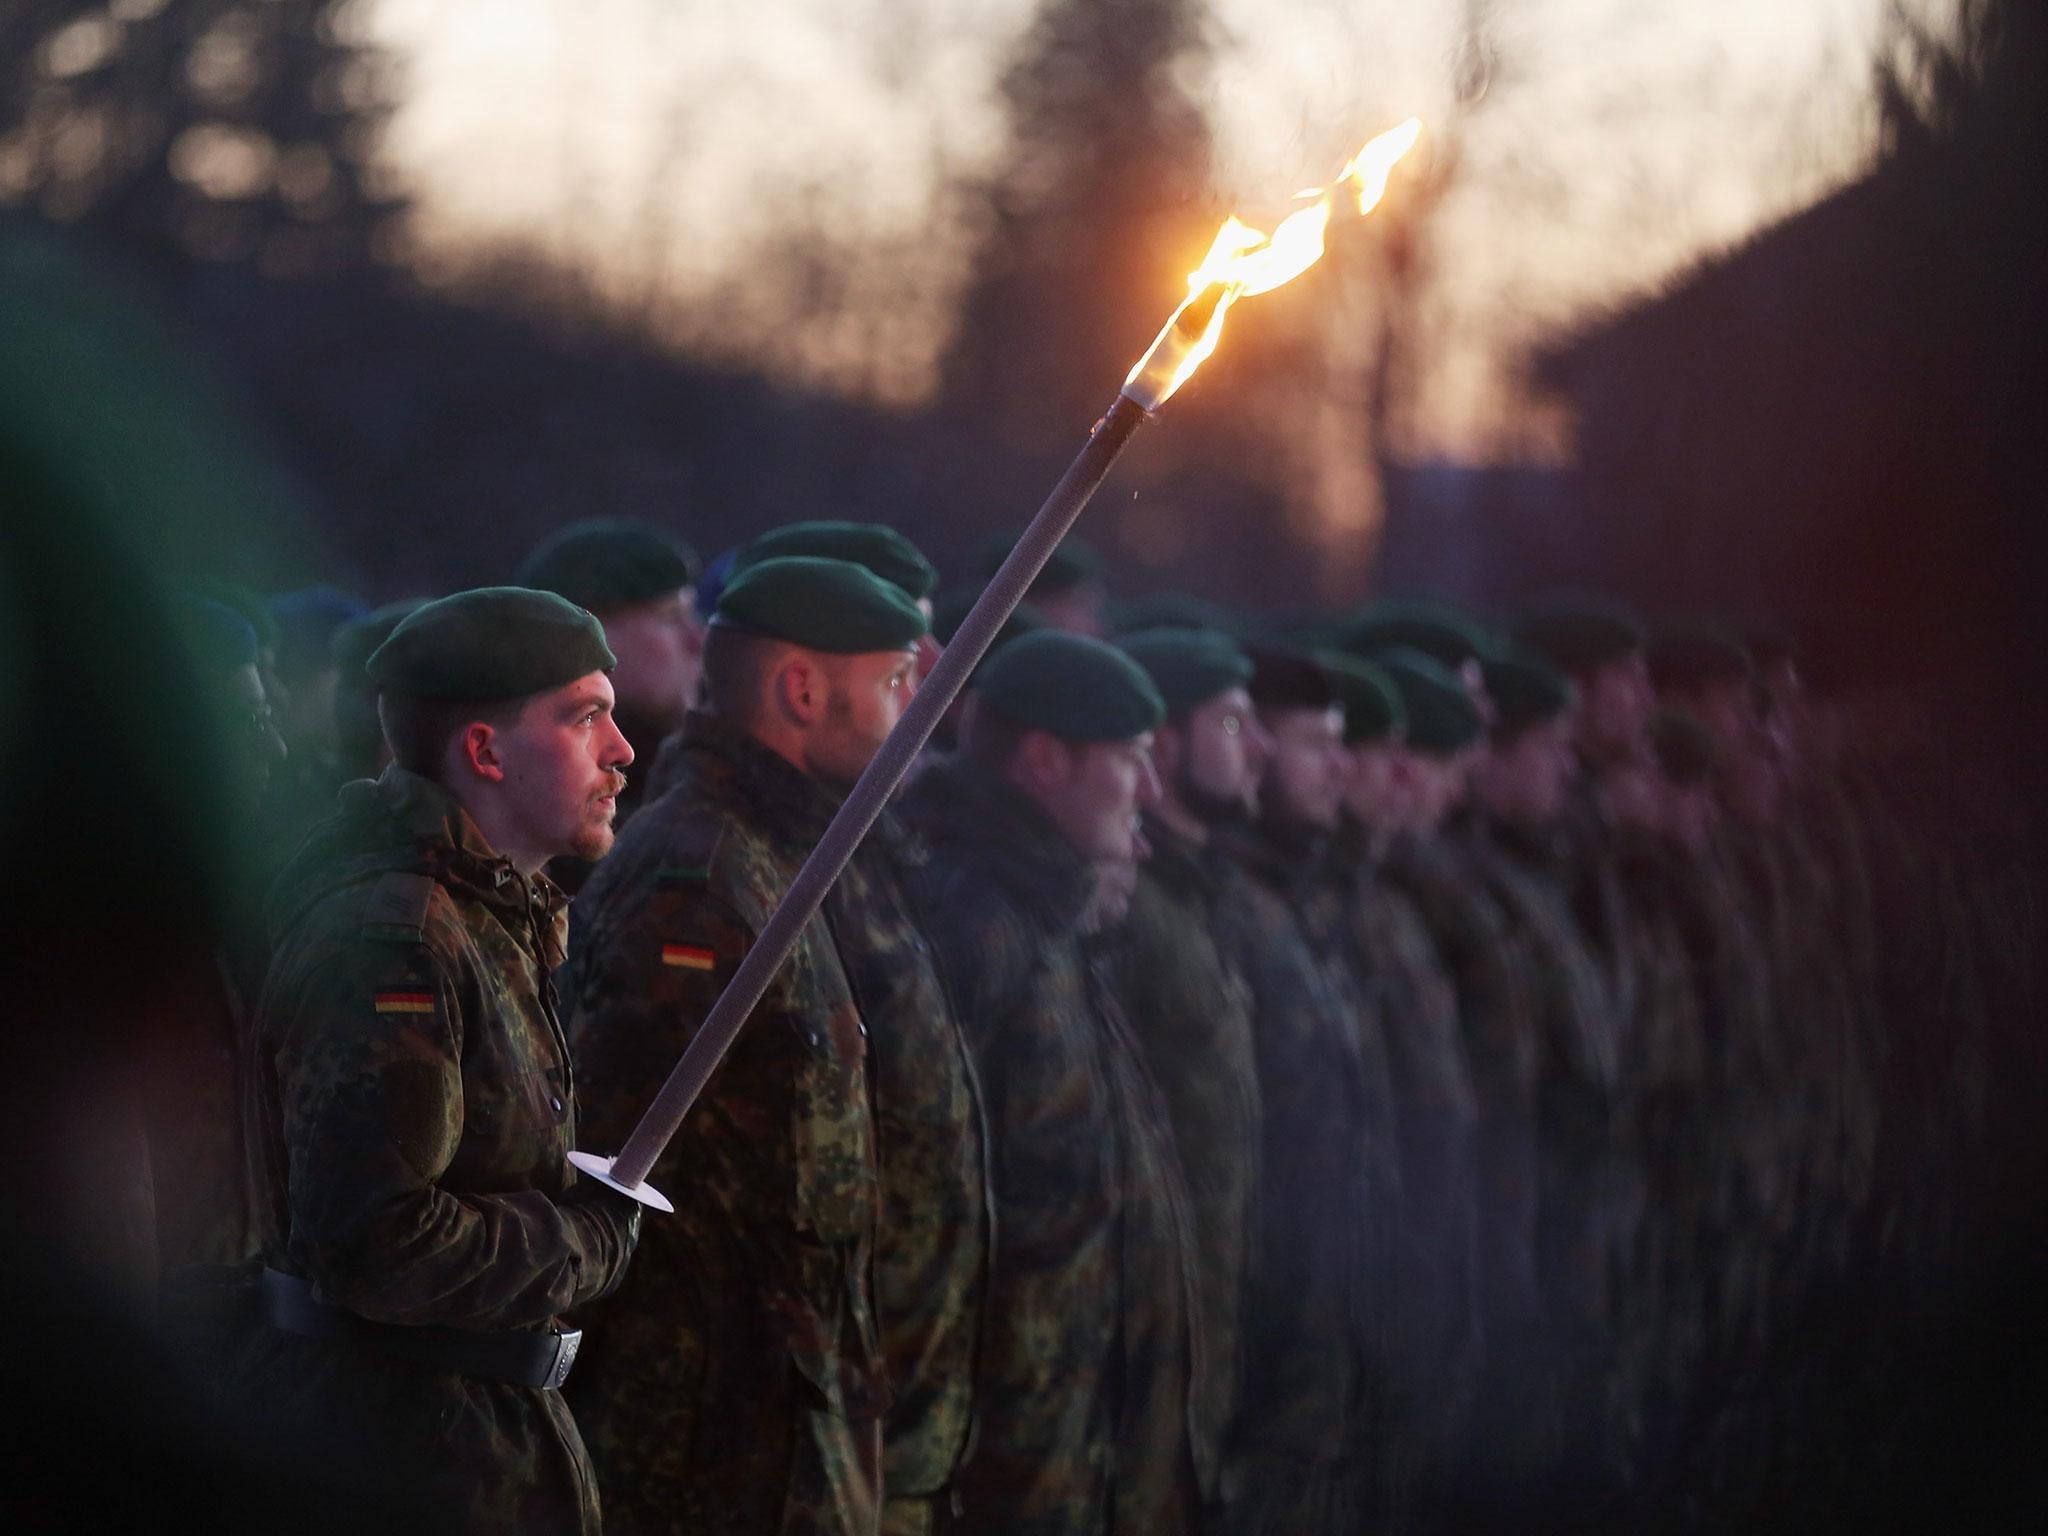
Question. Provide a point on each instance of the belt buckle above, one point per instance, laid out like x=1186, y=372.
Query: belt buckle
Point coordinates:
x=567, y=1342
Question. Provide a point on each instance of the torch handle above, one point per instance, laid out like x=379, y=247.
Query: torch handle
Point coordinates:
x=871, y=793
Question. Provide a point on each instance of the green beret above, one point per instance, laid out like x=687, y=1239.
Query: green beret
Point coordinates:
x=490, y=643
x=950, y=609
x=833, y=606
x=217, y=637
x=1442, y=718
x=240, y=599
x=1578, y=634
x=1372, y=704
x=1072, y=686
x=1685, y=750
x=354, y=642
x=1072, y=563
x=1525, y=692
x=609, y=562
x=875, y=545
x=1688, y=657
x=1439, y=631
x=1188, y=666
x=1284, y=677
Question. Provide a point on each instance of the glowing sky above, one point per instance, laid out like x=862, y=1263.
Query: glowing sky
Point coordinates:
x=664, y=145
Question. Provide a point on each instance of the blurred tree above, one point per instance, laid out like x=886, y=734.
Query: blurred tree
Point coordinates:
x=1107, y=178
x=208, y=129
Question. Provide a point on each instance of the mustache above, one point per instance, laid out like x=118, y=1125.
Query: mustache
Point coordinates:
x=617, y=783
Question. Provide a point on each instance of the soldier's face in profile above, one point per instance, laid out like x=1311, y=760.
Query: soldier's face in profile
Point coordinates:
x=660, y=647
x=1377, y=791
x=868, y=696
x=1226, y=748
x=563, y=762
x=1615, y=705
x=249, y=733
x=1094, y=791
x=1529, y=777
x=1305, y=780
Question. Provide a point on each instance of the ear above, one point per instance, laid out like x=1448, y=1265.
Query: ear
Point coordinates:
x=800, y=691
x=476, y=749
x=1043, y=759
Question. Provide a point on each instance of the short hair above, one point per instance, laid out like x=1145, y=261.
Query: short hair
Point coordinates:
x=419, y=730
x=737, y=665
x=991, y=738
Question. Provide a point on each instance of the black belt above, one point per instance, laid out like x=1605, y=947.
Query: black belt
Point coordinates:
x=523, y=1359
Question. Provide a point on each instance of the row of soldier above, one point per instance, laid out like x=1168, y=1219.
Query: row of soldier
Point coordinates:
x=1307, y=1078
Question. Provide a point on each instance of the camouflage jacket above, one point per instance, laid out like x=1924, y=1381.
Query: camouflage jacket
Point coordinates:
x=736, y=1381
x=1305, y=1373
x=1470, y=935
x=1490, y=980
x=1578, y=1032
x=1191, y=1011
x=1434, y=1102
x=1666, y=1062
x=934, y=1245
x=1084, y=1389
x=410, y=1110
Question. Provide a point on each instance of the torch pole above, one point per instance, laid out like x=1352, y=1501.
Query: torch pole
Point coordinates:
x=628, y=1171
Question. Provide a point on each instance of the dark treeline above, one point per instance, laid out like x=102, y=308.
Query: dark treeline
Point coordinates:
x=1834, y=431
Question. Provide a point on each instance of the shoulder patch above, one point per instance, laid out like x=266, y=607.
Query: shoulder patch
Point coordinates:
x=395, y=909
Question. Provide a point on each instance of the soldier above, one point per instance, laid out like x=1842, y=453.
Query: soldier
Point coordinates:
x=409, y=1098
x=1435, y=1334
x=1427, y=774
x=639, y=581
x=1521, y=789
x=189, y=1082
x=1429, y=627
x=307, y=620
x=1600, y=647
x=1661, y=808
x=747, y=1367
x=1069, y=592
x=1306, y=1432
x=1089, y=1370
x=876, y=547
x=1189, y=1005
x=360, y=750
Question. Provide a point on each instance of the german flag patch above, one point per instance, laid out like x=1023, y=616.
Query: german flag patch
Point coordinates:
x=407, y=1001
x=691, y=957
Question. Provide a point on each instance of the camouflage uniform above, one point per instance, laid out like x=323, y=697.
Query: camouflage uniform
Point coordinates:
x=1305, y=1399
x=933, y=1249
x=1579, y=1063
x=736, y=1382
x=1496, y=1020
x=1090, y=1364
x=1664, y=1073
x=1435, y=1324
x=409, y=1102
x=1192, y=1012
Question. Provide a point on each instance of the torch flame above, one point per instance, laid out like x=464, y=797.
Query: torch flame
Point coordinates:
x=1244, y=260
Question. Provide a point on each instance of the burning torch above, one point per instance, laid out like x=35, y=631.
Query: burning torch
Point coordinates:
x=1241, y=261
